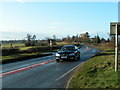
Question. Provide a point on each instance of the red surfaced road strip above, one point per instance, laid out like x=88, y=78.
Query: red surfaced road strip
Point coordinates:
x=24, y=68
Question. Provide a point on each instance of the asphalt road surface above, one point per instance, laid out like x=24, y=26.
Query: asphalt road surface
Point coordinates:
x=42, y=72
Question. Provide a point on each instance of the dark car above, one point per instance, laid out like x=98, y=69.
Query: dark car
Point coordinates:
x=68, y=52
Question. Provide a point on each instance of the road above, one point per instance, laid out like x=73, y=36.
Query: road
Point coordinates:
x=42, y=73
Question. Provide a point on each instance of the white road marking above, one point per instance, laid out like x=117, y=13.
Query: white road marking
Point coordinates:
x=69, y=82
x=67, y=72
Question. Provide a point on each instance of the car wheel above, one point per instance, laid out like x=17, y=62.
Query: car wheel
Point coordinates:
x=75, y=58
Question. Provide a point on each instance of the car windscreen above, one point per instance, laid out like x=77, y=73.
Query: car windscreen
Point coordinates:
x=68, y=48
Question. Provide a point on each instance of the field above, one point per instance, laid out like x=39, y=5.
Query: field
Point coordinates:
x=98, y=72
x=19, y=51
x=13, y=45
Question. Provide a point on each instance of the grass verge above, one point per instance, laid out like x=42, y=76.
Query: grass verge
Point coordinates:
x=98, y=72
x=21, y=57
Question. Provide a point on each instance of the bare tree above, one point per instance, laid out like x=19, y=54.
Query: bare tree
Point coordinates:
x=29, y=37
x=30, y=40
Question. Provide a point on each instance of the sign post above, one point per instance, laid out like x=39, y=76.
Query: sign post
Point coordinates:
x=51, y=45
x=116, y=50
x=115, y=30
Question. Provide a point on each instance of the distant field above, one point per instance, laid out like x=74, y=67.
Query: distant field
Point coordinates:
x=66, y=43
x=13, y=45
x=8, y=45
x=23, y=45
x=62, y=43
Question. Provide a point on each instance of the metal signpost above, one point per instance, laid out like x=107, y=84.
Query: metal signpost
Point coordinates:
x=115, y=30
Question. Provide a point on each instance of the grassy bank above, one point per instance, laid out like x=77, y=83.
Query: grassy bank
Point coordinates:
x=98, y=72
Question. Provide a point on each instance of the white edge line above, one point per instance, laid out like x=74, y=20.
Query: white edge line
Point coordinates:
x=69, y=82
x=68, y=72
x=71, y=79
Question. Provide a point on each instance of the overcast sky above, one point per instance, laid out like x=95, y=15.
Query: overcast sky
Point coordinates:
x=56, y=18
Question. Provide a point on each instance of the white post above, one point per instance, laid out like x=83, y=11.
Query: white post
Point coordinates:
x=116, y=50
x=50, y=45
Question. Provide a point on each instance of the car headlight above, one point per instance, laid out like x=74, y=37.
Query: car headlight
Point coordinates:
x=57, y=54
x=72, y=54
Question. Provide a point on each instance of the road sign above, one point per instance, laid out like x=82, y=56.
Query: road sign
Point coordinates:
x=113, y=28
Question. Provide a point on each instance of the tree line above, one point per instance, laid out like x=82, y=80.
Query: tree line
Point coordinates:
x=84, y=38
